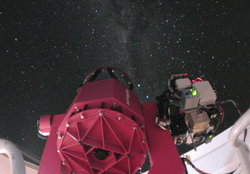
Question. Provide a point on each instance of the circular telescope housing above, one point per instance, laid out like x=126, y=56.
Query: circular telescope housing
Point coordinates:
x=103, y=131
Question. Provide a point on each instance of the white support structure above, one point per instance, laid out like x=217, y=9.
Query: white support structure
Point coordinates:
x=240, y=146
x=226, y=153
x=15, y=156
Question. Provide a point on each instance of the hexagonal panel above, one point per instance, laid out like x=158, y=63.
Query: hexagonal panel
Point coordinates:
x=102, y=142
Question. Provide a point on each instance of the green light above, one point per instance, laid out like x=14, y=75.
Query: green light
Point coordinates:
x=194, y=92
x=210, y=136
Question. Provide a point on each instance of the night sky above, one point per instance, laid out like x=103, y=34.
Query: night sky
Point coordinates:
x=48, y=47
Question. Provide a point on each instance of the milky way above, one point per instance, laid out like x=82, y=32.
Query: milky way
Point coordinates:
x=47, y=49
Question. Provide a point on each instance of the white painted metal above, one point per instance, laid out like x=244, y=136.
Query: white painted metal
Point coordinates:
x=15, y=156
x=241, y=147
x=5, y=166
x=217, y=157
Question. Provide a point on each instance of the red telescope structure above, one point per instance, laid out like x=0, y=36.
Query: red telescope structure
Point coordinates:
x=106, y=130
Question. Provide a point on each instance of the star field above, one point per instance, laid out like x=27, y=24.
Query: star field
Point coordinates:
x=47, y=49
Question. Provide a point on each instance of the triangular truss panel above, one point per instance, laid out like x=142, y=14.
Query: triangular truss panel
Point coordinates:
x=102, y=141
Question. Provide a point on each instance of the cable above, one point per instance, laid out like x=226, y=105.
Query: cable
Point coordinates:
x=239, y=111
x=184, y=165
x=234, y=103
x=195, y=168
x=222, y=113
x=192, y=165
x=222, y=118
x=198, y=79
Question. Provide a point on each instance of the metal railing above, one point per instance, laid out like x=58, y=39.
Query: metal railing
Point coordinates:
x=240, y=146
x=15, y=156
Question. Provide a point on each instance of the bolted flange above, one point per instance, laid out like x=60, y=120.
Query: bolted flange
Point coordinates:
x=128, y=156
x=82, y=116
x=79, y=143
